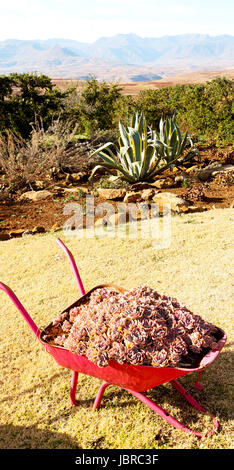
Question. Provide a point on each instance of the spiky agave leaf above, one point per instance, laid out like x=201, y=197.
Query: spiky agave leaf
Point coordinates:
x=169, y=139
x=143, y=153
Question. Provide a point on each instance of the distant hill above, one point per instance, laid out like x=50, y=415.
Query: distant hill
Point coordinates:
x=124, y=57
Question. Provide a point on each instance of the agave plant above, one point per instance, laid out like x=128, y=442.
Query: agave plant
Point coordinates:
x=170, y=141
x=139, y=155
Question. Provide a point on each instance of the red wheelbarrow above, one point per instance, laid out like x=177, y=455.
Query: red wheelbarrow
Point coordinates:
x=134, y=379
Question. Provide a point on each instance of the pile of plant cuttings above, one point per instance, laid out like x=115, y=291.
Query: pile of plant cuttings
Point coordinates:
x=139, y=327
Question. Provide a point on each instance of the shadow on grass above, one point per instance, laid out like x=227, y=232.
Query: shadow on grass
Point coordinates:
x=214, y=397
x=30, y=437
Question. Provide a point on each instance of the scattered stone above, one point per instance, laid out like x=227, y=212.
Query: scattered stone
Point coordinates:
x=113, y=194
x=77, y=177
x=192, y=169
x=26, y=233
x=38, y=229
x=16, y=233
x=70, y=190
x=58, y=192
x=197, y=209
x=177, y=204
x=55, y=228
x=204, y=174
x=4, y=236
x=179, y=179
x=36, y=195
x=40, y=185
x=132, y=196
x=159, y=184
x=223, y=170
x=147, y=194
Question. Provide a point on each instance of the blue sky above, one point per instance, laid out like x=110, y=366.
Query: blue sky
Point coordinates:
x=87, y=20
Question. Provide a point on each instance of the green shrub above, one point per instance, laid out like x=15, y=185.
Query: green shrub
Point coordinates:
x=205, y=109
x=26, y=98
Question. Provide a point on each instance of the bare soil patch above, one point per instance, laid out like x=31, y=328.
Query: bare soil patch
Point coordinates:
x=18, y=216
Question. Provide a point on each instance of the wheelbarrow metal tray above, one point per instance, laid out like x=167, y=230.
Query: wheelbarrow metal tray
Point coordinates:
x=138, y=378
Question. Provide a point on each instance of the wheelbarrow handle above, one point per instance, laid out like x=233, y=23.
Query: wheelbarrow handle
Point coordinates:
x=73, y=265
x=21, y=308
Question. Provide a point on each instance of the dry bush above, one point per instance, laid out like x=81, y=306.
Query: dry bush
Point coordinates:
x=24, y=162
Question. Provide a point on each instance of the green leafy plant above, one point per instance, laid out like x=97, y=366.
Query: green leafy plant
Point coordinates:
x=135, y=159
x=205, y=108
x=170, y=141
x=139, y=157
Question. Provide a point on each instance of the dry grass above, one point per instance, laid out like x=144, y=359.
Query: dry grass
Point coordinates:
x=24, y=162
x=35, y=410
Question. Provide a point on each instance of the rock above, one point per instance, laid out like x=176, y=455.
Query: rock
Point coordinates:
x=142, y=213
x=112, y=194
x=163, y=183
x=132, y=196
x=213, y=170
x=36, y=195
x=38, y=229
x=26, y=233
x=16, y=233
x=69, y=190
x=122, y=217
x=4, y=236
x=224, y=169
x=197, y=209
x=159, y=184
x=40, y=184
x=147, y=194
x=204, y=174
x=144, y=195
x=55, y=228
x=177, y=204
x=179, y=179
x=77, y=177
x=191, y=169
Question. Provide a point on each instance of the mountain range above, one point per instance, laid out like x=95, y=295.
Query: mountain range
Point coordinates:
x=121, y=57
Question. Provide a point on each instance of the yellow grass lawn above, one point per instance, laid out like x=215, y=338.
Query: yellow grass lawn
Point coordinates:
x=35, y=409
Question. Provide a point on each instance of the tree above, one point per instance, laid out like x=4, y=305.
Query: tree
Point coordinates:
x=99, y=103
x=26, y=98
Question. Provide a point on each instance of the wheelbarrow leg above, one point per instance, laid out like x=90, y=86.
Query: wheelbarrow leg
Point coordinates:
x=170, y=419
x=73, y=388
x=197, y=384
x=98, y=398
